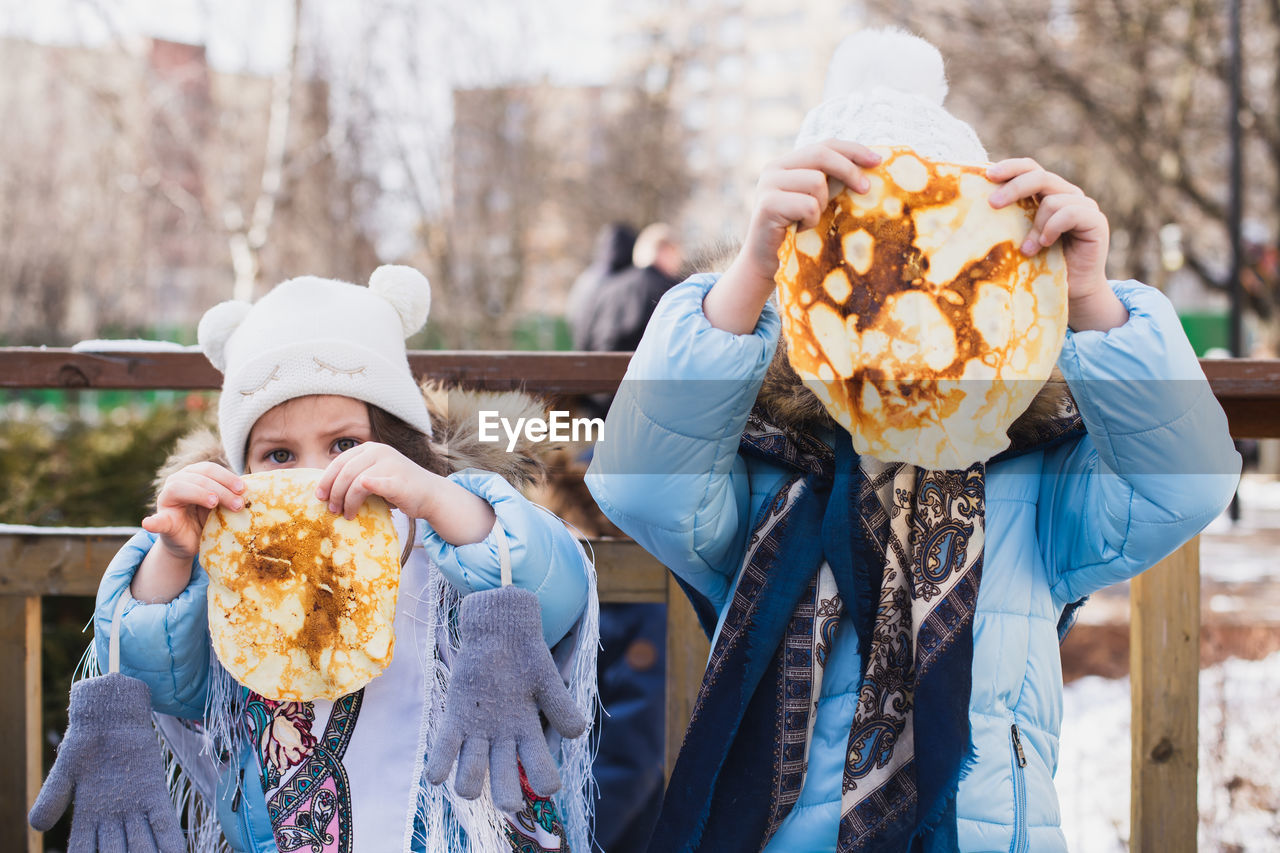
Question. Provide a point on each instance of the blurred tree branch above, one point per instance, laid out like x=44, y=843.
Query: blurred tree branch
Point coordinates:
x=1126, y=98
x=246, y=238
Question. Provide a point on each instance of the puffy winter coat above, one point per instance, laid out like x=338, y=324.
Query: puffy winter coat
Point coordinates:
x=168, y=646
x=1156, y=466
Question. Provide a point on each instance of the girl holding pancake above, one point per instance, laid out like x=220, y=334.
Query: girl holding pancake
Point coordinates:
x=885, y=672
x=348, y=673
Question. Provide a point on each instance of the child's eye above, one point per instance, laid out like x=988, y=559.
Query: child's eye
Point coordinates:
x=344, y=444
x=280, y=457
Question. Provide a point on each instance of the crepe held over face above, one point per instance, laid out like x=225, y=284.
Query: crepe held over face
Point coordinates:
x=914, y=316
x=301, y=600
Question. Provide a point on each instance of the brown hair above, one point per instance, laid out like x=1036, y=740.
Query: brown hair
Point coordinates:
x=390, y=430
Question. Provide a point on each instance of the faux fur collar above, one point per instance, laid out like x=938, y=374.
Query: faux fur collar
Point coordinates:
x=455, y=422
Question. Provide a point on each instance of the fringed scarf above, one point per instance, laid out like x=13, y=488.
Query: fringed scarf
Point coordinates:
x=900, y=550
x=308, y=774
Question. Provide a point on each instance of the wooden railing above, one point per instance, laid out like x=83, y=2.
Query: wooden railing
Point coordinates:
x=1164, y=633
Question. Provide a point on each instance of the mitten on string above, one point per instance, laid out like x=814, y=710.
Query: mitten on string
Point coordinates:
x=502, y=677
x=109, y=763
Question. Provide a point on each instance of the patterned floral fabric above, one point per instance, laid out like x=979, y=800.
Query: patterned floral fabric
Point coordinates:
x=928, y=528
x=310, y=807
x=537, y=827
x=309, y=794
x=895, y=550
x=345, y=776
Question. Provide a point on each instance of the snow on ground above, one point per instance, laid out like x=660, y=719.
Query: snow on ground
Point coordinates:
x=1239, y=565
x=1261, y=491
x=1243, y=551
x=109, y=345
x=1239, y=780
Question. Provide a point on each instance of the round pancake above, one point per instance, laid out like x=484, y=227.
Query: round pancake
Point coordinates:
x=914, y=316
x=301, y=600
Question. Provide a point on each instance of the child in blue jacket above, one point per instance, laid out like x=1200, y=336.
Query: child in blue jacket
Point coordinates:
x=843, y=706
x=316, y=376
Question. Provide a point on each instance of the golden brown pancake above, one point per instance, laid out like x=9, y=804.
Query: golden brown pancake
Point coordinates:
x=301, y=601
x=913, y=315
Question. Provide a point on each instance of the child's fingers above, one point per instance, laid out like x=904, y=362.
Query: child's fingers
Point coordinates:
x=857, y=152
x=1080, y=219
x=809, y=182
x=1011, y=168
x=832, y=155
x=361, y=488
x=830, y=161
x=178, y=530
x=389, y=488
x=1060, y=214
x=785, y=208
x=1037, y=182
x=197, y=490
x=325, y=486
x=345, y=495
x=328, y=483
x=218, y=473
x=344, y=474
x=161, y=524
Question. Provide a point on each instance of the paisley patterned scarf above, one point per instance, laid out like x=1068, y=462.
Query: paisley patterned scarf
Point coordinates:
x=899, y=550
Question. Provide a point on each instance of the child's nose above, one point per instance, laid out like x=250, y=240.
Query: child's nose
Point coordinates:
x=313, y=460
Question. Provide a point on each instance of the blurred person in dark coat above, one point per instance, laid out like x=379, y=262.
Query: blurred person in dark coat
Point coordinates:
x=614, y=245
x=632, y=663
x=617, y=311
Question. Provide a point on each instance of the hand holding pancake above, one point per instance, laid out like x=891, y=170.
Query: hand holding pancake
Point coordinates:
x=302, y=602
x=459, y=516
x=794, y=189
x=1065, y=213
x=185, y=501
x=182, y=507
x=913, y=316
x=791, y=189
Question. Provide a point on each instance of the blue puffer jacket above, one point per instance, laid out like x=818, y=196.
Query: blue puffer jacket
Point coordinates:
x=167, y=645
x=1156, y=466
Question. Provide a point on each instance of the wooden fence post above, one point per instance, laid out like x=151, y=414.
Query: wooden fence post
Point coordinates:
x=20, y=772
x=1164, y=660
x=687, y=650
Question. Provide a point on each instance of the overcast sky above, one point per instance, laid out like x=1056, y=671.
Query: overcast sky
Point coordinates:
x=567, y=40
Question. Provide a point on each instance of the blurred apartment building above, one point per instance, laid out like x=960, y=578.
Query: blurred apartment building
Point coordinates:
x=704, y=93
x=522, y=195
x=123, y=173
x=742, y=74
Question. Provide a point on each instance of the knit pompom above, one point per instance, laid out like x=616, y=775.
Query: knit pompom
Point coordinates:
x=888, y=57
x=407, y=290
x=216, y=327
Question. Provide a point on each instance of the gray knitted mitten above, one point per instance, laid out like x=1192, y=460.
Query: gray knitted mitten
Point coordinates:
x=110, y=763
x=503, y=675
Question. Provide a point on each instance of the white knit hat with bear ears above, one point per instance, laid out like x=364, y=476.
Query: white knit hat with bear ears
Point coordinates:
x=314, y=335
x=886, y=87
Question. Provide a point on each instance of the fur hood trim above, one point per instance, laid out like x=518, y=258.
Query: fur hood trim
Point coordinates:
x=455, y=421
x=788, y=403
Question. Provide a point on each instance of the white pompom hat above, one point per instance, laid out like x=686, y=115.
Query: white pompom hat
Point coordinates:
x=314, y=335
x=886, y=87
